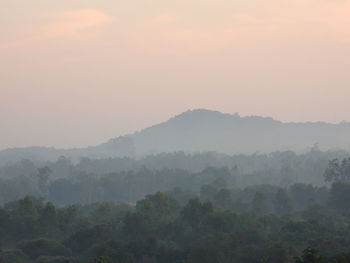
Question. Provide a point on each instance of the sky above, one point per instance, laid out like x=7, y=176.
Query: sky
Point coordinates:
x=76, y=73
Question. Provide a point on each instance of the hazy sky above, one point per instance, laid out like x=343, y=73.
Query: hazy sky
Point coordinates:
x=75, y=73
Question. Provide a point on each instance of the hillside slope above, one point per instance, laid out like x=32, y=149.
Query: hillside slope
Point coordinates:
x=204, y=130
x=201, y=131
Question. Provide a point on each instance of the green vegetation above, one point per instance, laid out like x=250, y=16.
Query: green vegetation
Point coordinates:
x=229, y=225
x=213, y=215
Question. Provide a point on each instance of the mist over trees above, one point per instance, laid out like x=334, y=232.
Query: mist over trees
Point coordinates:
x=219, y=224
x=166, y=194
x=130, y=179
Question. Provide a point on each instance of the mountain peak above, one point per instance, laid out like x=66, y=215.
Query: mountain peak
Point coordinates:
x=200, y=114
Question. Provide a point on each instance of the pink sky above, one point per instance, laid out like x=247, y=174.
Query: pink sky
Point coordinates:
x=76, y=73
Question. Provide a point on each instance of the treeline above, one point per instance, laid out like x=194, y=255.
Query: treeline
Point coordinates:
x=306, y=166
x=131, y=186
x=177, y=227
x=129, y=180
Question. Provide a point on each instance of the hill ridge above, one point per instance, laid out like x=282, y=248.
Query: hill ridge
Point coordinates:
x=202, y=130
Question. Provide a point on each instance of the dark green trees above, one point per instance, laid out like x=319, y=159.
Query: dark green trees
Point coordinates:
x=339, y=197
x=282, y=202
x=338, y=171
x=259, y=205
x=195, y=211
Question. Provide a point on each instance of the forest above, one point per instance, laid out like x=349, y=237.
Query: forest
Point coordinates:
x=184, y=131
x=189, y=208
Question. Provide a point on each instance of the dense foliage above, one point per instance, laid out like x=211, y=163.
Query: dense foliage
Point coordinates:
x=257, y=224
x=56, y=213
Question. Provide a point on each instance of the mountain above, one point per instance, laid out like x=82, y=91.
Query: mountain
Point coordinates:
x=204, y=130
x=201, y=131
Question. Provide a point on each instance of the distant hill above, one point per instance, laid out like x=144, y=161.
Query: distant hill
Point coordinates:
x=202, y=131
x=205, y=130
